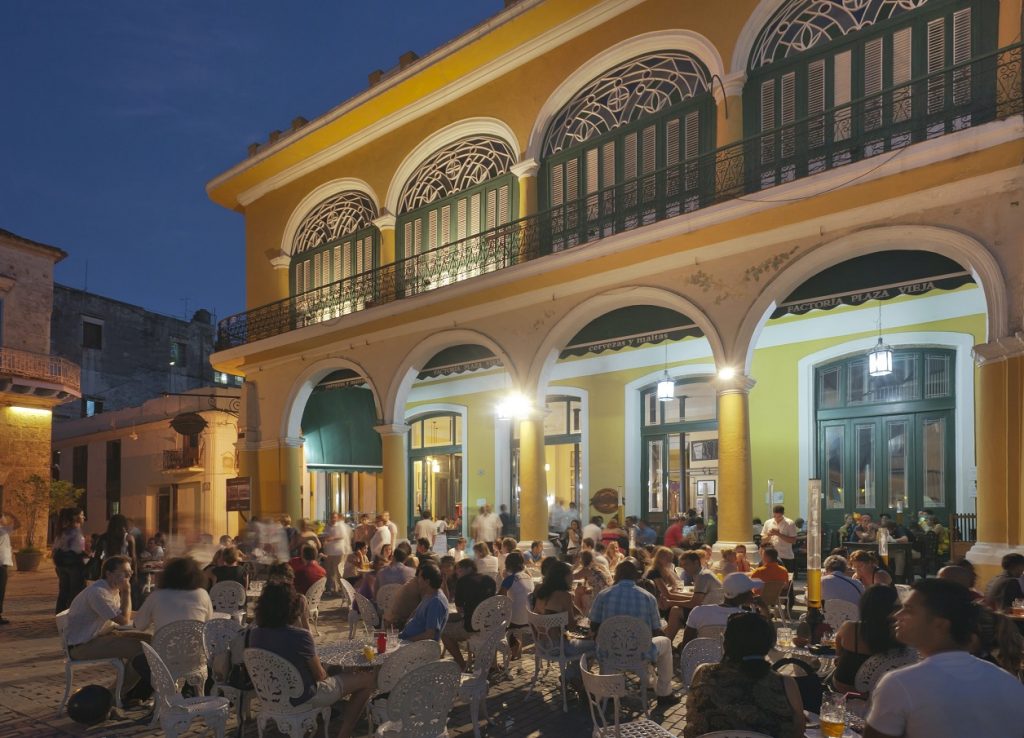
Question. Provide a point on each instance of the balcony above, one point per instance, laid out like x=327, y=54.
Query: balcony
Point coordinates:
x=39, y=378
x=183, y=460
x=962, y=96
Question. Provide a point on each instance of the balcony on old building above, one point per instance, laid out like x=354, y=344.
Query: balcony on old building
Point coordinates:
x=183, y=460
x=37, y=379
x=966, y=95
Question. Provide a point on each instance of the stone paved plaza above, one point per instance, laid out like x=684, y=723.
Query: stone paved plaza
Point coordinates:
x=32, y=682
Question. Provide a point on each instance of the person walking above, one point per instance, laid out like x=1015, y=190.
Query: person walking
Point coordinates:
x=69, y=555
x=8, y=522
x=336, y=546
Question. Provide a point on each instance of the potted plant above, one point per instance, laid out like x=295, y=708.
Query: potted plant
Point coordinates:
x=34, y=499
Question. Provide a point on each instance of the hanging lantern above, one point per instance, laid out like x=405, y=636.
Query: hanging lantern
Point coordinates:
x=666, y=389
x=880, y=360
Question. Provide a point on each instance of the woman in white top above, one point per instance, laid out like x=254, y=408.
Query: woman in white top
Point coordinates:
x=441, y=537
x=181, y=597
x=517, y=586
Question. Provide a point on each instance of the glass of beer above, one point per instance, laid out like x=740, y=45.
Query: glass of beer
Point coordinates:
x=833, y=714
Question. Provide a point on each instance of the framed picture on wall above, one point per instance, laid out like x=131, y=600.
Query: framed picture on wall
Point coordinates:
x=705, y=487
x=704, y=450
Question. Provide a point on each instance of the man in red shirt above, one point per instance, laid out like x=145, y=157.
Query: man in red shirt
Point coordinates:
x=307, y=571
x=770, y=569
x=674, y=534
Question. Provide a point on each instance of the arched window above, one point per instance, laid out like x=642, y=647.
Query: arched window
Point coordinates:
x=335, y=240
x=834, y=81
x=457, y=192
x=625, y=150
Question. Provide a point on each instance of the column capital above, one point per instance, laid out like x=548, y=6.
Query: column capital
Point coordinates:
x=731, y=85
x=999, y=349
x=385, y=220
x=392, y=429
x=736, y=384
x=286, y=442
x=525, y=168
x=278, y=259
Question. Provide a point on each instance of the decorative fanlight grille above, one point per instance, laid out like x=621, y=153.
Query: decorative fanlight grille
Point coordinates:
x=642, y=86
x=334, y=218
x=800, y=25
x=457, y=167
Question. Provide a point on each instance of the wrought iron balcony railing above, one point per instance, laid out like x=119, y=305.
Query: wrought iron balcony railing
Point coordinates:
x=41, y=368
x=181, y=458
x=968, y=94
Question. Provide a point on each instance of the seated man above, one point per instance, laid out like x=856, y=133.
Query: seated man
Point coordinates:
x=307, y=571
x=403, y=604
x=770, y=569
x=837, y=584
x=429, y=619
x=1005, y=588
x=949, y=693
x=91, y=619
x=459, y=552
x=535, y=554
x=739, y=596
x=707, y=590
x=396, y=572
x=625, y=598
x=425, y=551
x=471, y=588
x=277, y=613
x=486, y=562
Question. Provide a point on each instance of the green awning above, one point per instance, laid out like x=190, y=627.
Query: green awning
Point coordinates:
x=338, y=427
x=630, y=327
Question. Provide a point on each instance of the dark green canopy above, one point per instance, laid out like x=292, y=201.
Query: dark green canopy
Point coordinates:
x=338, y=427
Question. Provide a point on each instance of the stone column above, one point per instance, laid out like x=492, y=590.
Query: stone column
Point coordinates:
x=735, y=483
x=728, y=130
x=526, y=171
x=396, y=464
x=386, y=225
x=1000, y=452
x=533, y=493
x=280, y=475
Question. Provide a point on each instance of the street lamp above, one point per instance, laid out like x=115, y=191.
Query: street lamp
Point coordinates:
x=880, y=357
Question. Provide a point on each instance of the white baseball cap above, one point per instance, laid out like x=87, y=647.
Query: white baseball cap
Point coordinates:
x=738, y=583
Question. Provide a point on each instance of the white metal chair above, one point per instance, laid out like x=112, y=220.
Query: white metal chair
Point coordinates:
x=217, y=637
x=385, y=595
x=548, y=647
x=70, y=663
x=775, y=597
x=313, y=595
x=177, y=712
x=180, y=647
x=838, y=612
x=396, y=666
x=277, y=681
x=228, y=597
x=367, y=614
x=877, y=666
x=622, y=645
x=350, y=598
x=603, y=687
x=494, y=612
x=419, y=704
x=711, y=631
x=695, y=653
x=473, y=687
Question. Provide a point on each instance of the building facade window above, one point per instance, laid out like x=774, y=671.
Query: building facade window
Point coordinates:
x=336, y=240
x=179, y=354
x=113, y=477
x=831, y=82
x=80, y=472
x=886, y=444
x=92, y=334
x=436, y=466
x=625, y=151
x=91, y=406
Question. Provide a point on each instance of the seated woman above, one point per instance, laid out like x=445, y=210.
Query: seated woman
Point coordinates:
x=858, y=640
x=594, y=577
x=276, y=613
x=552, y=596
x=517, y=586
x=282, y=573
x=728, y=563
x=672, y=604
x=180, y=597
x=866, y=569
x=742, y=692
x=742, y=564
x=356, y=563
x=230, y=568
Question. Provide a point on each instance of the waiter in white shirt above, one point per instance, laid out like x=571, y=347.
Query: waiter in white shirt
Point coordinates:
x=380, y=537
x=337, y=545
x=780, y=533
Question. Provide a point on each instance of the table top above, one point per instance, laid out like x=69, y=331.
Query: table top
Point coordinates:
x=349, y=655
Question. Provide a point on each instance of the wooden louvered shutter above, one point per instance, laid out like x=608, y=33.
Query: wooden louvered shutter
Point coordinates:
x=787, y=107
x=767, y=120
x=873, y=66
x=902, y=72
x=936, y=54
x=691, y=148
x=446, y=225
x=338, y=273
x=504, y=216
x=815, y=103
x=460, y=219
x=431, y=230
x=842, y=94
x=962, y=53
x=474, y=214
x=557, y=184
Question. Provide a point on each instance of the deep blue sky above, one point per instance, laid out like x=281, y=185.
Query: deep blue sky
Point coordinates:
x=115, y=114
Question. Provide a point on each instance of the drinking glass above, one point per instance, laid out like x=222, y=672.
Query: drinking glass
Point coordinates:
x=1017, y=607
x=785, y=638
x=833, y=714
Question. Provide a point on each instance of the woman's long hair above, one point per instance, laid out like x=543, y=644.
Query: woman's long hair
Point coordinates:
x=554, y=580
x=877, y=605
x=748, y=639
x=667, y=571
x=117, y=530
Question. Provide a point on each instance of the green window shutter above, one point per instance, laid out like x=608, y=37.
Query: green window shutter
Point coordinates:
x=608, y=164
x=691, y=148
x=592, y=171
x=962, y=53
x=649, y=153
x=474, y=214
x=787, y=107
x=446, y=225
x=936, y=54
x=873, y=69
x=460, y=219
x=902, y=72
x=504, y=205
x=672, y=142
x=767, y=120
x=338, y=273
x=842, y=93
x=492, y=208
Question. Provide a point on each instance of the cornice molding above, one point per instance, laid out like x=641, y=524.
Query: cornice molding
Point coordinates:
x=392, y=429
x=737, y=384
x=525, y=168
x=999, y=349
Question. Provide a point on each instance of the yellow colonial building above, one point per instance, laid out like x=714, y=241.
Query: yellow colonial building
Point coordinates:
x=662, y=253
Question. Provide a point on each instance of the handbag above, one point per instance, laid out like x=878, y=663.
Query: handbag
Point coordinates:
x=809, y=683
x=238, y=675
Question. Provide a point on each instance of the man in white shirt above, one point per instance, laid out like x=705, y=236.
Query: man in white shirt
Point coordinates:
x=592, y=530
x=780, y=533
x=707, y=590
x=425, y=528
x=836, y=585
x=459, y=552
x=491, y=526
x=486, y=562
x=381, y=537
x=337, y=545
x=950, y=693
x=89, y=630
x=739, y=593
x=556, y=517
x=386, y=516
x=8, y=523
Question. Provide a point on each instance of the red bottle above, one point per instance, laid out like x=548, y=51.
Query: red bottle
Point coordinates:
x=382, y=641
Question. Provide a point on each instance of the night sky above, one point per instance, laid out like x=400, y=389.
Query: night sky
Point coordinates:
x=115, y=114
